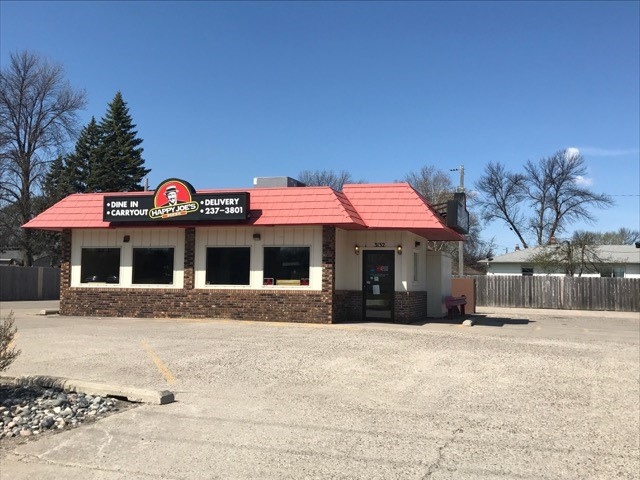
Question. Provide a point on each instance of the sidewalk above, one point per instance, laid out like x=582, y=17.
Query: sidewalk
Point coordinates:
x=28, y=307
x=35, y=306
x=548, y=312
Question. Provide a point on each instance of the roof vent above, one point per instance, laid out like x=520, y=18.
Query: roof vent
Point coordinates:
x=266, y=182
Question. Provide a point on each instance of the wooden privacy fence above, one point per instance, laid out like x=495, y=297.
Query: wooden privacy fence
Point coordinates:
x=566, y=293
x=29, y=283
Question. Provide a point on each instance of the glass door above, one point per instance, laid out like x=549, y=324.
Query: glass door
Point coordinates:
x=378, y=284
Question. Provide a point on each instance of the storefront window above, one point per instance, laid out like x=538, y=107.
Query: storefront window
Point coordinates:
x=286, y=265
x=228, y=265
x=100, y=265
x=153, y=265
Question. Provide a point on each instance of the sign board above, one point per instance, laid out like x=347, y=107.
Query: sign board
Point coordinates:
x=176, y=200
x=457, y=213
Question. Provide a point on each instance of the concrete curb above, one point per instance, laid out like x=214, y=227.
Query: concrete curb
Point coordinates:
x=132, y=394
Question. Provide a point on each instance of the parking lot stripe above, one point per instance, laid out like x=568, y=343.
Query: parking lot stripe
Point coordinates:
x=328, y=326
x=166, y=373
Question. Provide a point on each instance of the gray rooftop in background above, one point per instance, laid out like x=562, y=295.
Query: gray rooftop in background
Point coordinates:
x=615, y=253
x=267, y=182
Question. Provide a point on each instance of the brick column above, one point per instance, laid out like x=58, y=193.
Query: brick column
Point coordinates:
x=65, y=267
x=189, y=257
x=328, y=269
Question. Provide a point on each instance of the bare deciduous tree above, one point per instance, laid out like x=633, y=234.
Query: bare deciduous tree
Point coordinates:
x=622, y=236
x=556, y=195
x=38, y=115
x=575, y=257
x=501, y=195
x=550, y=190
x=437, y=188
x=433, y=184
x=329, y=178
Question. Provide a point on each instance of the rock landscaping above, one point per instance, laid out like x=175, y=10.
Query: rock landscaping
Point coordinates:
x=27, y=411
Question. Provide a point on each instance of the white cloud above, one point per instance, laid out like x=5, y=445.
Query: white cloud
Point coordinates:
x=571, y=152
x=608, y=152
x=584, y=181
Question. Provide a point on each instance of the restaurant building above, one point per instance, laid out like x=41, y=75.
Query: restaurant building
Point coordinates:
x=276, y=252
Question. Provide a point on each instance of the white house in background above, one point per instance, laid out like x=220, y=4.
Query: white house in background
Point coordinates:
x=11, y=256
x=621, y=261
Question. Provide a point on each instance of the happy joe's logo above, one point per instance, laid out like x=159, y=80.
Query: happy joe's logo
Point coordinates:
x=176, y=200
x=172, y=199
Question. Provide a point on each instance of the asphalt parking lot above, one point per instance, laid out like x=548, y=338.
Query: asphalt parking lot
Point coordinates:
x=524, y=394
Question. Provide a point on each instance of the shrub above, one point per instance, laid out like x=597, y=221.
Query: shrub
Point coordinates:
x=8, y=353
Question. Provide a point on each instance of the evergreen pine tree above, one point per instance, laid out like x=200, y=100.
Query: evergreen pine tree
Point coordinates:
x=56, y=184
x=82, y=163
x=120, y=166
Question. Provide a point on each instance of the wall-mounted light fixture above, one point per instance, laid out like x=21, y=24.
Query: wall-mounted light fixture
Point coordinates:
x=256, y=236
x=399, y=249
x=356, y=249
x=126, y=239
x=417, y=244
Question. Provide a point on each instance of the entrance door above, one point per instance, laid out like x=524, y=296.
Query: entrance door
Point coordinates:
x=378, y=284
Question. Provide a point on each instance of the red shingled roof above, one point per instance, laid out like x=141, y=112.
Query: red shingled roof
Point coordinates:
x=382, y=206
x=398, y=206
x=302, y=206
x=75, y=211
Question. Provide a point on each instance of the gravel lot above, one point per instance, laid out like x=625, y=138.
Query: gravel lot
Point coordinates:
x=523, y=394
x=29, y=411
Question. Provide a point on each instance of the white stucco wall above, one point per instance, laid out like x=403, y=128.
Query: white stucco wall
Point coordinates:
x=348, y=275
x=504, y=269
x=205, y=237
x=515, y=269
x=438, y=272
x=631, y=271
x=349, y=265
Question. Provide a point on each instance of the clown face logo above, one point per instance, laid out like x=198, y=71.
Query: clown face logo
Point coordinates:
x=172, y=192
x=173, y=198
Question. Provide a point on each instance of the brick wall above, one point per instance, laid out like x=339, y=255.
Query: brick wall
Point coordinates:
x=65, y=259
x=65, y=267
x=269, y=305
x=328, y=270
x=325, y=306
x=348, y=305
x=189, y=257
x=410, y=307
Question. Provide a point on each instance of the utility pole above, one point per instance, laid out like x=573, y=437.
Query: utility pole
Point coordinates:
x=460, y=244
x=461, y=170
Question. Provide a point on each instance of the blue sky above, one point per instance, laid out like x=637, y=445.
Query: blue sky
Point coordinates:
x=223, y=92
